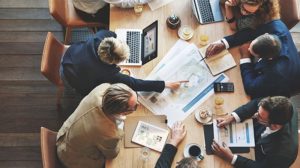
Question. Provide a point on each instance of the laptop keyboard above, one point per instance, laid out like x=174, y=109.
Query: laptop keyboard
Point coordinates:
x=134, y=41
x=205, y=11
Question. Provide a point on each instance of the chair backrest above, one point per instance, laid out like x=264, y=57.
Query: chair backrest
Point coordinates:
x=296, y=164
x=48, y=149
x=53, y=51
x=58, y=9
x=289, y=13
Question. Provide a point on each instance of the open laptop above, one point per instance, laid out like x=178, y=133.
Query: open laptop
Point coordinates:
x=207, y=11
x=142, y=44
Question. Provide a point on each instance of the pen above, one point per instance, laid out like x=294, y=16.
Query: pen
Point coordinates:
x=223, y=126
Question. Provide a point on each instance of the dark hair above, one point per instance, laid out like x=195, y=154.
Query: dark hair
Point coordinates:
x=280, y=109
x=267, y=46
x=187, y=163
x=115, y=99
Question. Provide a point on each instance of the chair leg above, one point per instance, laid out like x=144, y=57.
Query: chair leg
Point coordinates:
x=68, y=35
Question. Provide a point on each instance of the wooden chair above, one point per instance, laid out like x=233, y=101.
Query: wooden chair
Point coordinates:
x=50, y=64
x=296, y=164
x=289, y=12
x=48, y=149
x=64, y=13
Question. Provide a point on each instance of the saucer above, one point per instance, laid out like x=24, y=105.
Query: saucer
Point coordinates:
x=185, y=32
x=206, y=121
x=186, y=151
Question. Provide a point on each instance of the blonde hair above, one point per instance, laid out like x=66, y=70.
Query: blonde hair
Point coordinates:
x=113, y=51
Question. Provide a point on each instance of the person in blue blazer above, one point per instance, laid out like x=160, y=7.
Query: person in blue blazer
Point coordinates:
x=287, y=64
x=88, y=64
x=275, y=132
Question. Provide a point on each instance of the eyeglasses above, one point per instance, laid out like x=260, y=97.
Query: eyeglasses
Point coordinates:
x=260, y=119
x=245, y=11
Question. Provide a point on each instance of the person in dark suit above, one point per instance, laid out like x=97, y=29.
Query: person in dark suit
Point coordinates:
x=166, y=158
x=266, y=74
x=286, y=66
x=275, y=129
x=88, y=64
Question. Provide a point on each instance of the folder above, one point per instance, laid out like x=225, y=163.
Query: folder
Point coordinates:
x=209, y=136
x=132, y=121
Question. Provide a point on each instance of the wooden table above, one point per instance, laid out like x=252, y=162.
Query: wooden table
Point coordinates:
x=126, y=18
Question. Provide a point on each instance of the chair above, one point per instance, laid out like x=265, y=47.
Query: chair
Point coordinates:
x=52, y=53
x=296, y=164
x=48, y=149
x=65, y=14
x=289, y=12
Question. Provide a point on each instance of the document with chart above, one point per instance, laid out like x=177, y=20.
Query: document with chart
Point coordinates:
x=183, y=62
x=235, y=134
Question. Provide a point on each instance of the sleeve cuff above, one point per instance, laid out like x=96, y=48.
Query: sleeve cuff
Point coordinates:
x=236, y=117
x=234, y=159
x=245, y=60
x=226, y=43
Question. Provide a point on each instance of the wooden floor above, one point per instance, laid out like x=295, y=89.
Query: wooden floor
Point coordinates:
x=27, y=99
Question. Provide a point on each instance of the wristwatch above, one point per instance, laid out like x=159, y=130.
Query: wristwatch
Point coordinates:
x=230, y=20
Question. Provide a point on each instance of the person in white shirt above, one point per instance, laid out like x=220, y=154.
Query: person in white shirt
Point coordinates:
x=275, y=132
x=98, y=10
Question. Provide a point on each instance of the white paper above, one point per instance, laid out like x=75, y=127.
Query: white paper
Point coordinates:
x=235, y=134
x=155, y=4
x=183, y=62
x=150, y=136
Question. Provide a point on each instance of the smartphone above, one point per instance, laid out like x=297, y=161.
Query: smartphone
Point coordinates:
x=223, y=87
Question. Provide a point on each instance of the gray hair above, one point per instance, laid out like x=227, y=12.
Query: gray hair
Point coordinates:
x=115, y=99
x=113, y=51
x=267, y=46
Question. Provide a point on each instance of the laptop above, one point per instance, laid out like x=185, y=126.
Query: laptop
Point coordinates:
x=207, y=11
x=142, y=44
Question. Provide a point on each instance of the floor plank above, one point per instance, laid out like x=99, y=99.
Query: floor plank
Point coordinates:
x=20, y=153
x=20, y=164
x=26, y=13
x=19, y=139
x=28, y=36
x=21, y=74
x=23, y=3
x=21, y=48
x=20, y=60
x=29, y=25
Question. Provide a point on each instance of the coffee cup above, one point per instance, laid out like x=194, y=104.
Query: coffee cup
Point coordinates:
x=194, y=151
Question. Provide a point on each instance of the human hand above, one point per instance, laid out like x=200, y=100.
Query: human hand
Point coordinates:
x=222, y=122
x=214, y=48
x=244, y=50
x=178, y=133
x=175, y=85
x=231, y=3
x=222, y=151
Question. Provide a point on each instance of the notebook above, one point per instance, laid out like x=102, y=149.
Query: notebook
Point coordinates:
x=142, y=44
x=207, y=11
x=218, y=63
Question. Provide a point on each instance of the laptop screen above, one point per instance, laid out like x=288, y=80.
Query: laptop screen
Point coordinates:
x=149, y=48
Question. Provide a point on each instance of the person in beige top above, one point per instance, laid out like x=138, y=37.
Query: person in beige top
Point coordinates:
x=90, y=135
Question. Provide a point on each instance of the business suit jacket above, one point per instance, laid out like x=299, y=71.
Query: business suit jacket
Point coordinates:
x=276, y=150
x=269, y=78
x=166, y=157
x=84, y=70
x=88, y=136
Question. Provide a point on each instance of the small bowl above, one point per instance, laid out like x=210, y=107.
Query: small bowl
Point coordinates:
x=204, y=121
x=185, y=32
x=126, y=72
